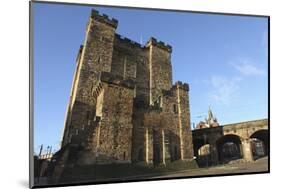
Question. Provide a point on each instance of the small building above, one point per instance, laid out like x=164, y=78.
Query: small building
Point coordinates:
x=209, y=122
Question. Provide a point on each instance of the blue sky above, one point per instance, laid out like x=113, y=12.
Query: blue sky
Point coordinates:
x=223, y=58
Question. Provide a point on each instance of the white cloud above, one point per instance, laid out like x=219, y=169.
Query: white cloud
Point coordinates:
x=224, y=90
x=247, y=68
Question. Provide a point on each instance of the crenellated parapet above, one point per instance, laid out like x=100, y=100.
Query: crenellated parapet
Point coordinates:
x=178, y=84
x=152, y=41
x=128, y=41
x=104, y=18
x=181, y=85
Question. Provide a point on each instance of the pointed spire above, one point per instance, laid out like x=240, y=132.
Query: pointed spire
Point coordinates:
x=210, y=113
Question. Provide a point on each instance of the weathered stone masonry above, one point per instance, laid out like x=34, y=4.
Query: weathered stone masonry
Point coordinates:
x=123, y=106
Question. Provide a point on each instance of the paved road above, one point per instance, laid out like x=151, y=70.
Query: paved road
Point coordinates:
x=260, y=165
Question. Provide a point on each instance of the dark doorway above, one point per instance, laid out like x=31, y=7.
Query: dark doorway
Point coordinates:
x=156, y=148
x=229, y=148
x=259, y=143
x=173, y=146
x=140, y=155
x=176, y=154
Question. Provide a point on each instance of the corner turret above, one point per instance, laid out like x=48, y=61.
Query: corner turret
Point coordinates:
x=104, y=18
x=152, y=41
x=181, y=85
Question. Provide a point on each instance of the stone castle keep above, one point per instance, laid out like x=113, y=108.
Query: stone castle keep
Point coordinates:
x=126, y=119
x=124, y=107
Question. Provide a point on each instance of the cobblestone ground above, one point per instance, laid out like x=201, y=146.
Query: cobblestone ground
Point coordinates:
x=260, y=165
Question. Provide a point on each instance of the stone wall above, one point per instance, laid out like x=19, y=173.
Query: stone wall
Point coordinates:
x=184, y=120
x=116, y=122
x=161, y=131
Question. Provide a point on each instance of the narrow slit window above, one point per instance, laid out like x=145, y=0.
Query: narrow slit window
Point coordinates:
x=175, y=109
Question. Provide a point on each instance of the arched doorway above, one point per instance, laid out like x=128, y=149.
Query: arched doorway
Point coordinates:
x=202, y=152
x=229, y=148
x=259, y=144
x=197, y=144
x=204, y=155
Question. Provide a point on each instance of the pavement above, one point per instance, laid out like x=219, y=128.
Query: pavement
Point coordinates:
x=260, y=165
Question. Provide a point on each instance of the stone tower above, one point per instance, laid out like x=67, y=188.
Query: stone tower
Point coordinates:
x=94, y=57
x=160, y=68
x=123, y=105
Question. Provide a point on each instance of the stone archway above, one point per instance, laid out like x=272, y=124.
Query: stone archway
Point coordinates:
x=202, y=152
x=229, y=148
x=197, y=144
x=259, y=143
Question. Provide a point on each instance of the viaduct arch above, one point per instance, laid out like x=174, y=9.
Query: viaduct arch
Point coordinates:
x=217, y=145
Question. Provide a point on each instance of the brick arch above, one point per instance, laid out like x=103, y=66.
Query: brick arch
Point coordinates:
x=235, y=152
x=261, y=134
x=254, y=130
x=245, y=129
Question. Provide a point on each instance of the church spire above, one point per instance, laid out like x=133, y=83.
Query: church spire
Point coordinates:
x=210, y=113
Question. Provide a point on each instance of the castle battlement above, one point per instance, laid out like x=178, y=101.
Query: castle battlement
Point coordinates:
x=181, y=85
x=104, y=18
x=160, y=44
x=129, y=41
